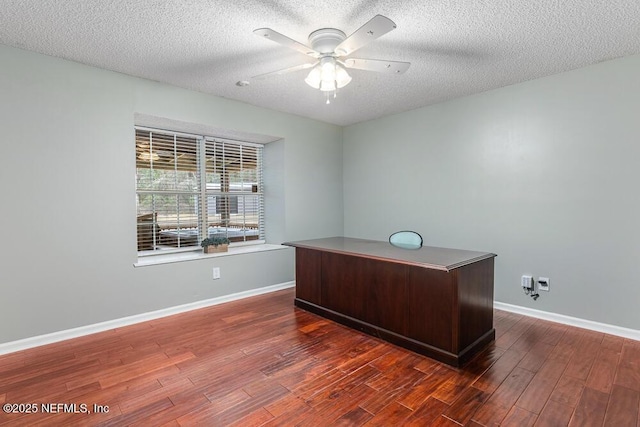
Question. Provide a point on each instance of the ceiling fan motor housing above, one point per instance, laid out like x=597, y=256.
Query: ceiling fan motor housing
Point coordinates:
x=325, y=40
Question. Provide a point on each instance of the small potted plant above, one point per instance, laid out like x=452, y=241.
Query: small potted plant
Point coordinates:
x=215, y=244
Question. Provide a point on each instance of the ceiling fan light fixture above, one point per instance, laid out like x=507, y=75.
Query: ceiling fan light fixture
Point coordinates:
x=328, y=85
x=328, y=68
x=342, y=77
x=313, y=78
x=328, y=75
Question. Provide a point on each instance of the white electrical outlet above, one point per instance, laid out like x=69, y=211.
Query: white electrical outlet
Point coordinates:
x=216, y=273
x=543, y=284
x=527, y=282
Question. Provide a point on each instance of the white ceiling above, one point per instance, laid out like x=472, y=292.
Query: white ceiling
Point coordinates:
x=456, y=47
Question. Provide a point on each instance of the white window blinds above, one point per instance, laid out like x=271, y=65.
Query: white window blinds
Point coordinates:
x=189, y=187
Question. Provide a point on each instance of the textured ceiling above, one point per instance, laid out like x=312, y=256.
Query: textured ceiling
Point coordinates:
x=456, y=47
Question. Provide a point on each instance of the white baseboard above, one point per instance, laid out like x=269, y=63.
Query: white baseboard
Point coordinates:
x=37, y=341
x=572, y=321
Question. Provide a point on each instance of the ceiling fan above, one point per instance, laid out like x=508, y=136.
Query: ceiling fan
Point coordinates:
x=331, y=47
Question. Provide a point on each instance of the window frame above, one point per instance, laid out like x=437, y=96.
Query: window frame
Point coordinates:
x=203, y=192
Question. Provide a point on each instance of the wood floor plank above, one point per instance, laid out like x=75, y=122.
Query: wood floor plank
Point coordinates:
x=355, y=417
x=466, y=405
x=591, y=409
x=428, y=412
x=143, y=412
x=581, y=361
x=613, y=343
x=568, y=391
x=623, y=407
x=393, y=414
x=443, y=421
x=536, y=395
x=293, y=418
x=506, y=395
x=628, y=373
x=289, y=403
x=506, y=340
x=535, y=334
x=36, y=376
x=553, y=369
x=423, y=389
x=140, y=368
x=303, y=372
x=554, y=414
x=500, y=370
x=254, y=419
x=504, y=321
x=492, y=413
x=519, y=417
x=11, y=361
x=171, y=413
x=601, y=376
x=370, y=356
x=315, y=386
x=331, y=405
x=354, y=379
x=562, y=352
x=397, y=388
x=236, y=412
x=262, y=361
x=554, y=334
x=536, y=356
x=541, y=387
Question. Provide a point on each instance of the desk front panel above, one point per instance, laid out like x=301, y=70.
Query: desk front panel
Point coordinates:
x=447, y=315
x=368, y=290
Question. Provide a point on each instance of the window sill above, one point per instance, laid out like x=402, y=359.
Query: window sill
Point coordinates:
x=196, y=255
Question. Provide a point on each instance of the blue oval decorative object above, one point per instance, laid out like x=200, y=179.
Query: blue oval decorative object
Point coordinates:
x=406, y=240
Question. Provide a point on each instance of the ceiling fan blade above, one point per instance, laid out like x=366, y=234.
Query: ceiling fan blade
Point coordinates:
x=284, y=71
x=378, y=26
x=380, y=66
x=275, y=36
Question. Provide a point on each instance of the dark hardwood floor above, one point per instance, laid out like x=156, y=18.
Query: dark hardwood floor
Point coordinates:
x=260, y=361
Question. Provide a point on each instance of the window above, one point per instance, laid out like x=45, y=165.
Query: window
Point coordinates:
x=189, y=187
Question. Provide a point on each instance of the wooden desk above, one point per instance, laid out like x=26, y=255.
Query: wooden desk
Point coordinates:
x=434, y=301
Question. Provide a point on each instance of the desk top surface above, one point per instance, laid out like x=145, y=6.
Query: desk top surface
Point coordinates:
x=427, y=256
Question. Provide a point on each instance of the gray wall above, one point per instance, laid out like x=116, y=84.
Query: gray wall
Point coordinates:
x=68, y=195
x=544, y=173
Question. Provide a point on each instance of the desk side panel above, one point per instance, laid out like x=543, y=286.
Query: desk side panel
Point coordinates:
x=308, y=275
x=475, y=301
x=430, y=307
